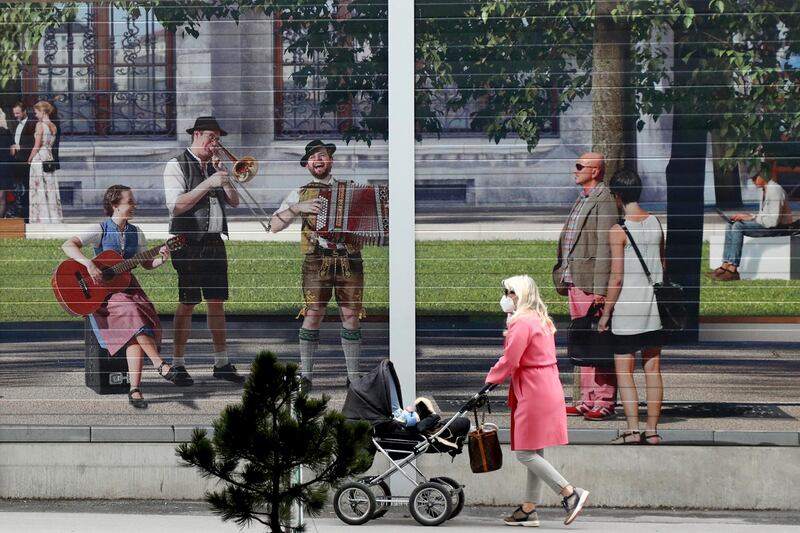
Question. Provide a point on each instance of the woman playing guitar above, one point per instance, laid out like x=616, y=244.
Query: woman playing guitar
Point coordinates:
x=127, y=319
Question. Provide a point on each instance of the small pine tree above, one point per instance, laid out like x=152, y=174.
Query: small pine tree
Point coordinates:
x=259, y=443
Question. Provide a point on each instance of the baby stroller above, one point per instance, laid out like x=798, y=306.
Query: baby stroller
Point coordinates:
x=433, y=500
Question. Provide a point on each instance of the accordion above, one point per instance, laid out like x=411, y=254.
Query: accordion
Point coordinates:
x=353, y=213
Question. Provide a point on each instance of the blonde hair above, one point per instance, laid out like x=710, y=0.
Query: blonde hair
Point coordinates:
x=3, y=122
x=45, y=107
x=528, y=300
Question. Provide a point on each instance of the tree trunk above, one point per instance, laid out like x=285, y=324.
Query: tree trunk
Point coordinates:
x=610, y=53
x=685, y=182
x=727, y=187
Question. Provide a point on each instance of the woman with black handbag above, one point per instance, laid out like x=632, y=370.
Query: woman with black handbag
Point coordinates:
x=536, y=398
x=45, y=199
x=637, y=261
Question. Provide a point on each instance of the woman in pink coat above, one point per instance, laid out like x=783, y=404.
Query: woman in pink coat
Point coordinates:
x=536, y=398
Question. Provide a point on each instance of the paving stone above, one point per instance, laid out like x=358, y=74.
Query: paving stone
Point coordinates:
x=757, y=438
x=592, y=436
x=184, y=433
x=687, y=436
x=20, y=433
x=133, y=434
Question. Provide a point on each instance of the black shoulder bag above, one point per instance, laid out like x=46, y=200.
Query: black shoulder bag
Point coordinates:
x=669, y=296
x=585, y=345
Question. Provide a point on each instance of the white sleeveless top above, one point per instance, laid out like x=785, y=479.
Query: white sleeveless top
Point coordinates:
x=636, y=310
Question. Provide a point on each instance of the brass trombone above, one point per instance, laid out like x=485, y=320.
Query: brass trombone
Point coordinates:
x=244, y=170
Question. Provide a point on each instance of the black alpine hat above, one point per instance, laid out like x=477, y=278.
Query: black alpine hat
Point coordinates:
x=314, y=146
x=206, y=123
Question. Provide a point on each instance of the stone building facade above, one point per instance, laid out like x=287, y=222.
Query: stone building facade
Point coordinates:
x=231, y=71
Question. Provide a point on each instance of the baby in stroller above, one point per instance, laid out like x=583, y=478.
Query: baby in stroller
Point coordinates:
x=401, y=435
x=422, y=410
x=375, y=397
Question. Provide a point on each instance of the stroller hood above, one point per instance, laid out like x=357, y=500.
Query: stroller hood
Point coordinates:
x=369, y=396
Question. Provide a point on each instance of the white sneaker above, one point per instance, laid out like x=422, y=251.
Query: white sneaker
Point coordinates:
x=521, y=518
x=573, y=504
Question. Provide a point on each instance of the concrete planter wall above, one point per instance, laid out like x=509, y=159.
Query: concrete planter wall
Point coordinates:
x=708, y=477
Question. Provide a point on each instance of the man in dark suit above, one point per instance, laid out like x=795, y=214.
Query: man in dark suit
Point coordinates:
x=21, y=150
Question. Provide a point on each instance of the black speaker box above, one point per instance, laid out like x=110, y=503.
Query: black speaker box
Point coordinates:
x=104, y=374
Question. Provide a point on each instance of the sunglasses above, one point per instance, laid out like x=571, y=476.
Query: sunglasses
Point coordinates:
x=580, y=167
x=508, y=292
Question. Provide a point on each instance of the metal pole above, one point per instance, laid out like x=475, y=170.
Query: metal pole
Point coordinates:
x=402, y=253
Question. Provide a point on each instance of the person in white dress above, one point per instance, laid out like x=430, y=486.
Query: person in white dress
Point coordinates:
x=45, y=201
x=631, y=302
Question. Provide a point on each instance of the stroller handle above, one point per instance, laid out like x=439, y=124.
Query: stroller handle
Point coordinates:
x=487, y=388
x=478, y=399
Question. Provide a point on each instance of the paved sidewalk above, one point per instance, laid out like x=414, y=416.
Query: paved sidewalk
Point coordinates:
x=708, y=386
x=589, y=521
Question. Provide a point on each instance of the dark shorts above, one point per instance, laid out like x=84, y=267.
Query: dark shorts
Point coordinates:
x=202, y=268
x=326, y=274
x=625, y=344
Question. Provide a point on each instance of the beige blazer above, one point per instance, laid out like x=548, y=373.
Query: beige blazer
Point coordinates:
x=590, y=258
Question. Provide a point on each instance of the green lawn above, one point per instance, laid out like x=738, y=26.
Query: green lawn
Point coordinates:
x=453, y=277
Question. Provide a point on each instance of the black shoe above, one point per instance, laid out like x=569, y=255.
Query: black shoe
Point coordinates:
x=228, y=373
x=138, y=403
x=177, y=375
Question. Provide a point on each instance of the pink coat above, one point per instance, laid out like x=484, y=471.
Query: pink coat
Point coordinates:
x=536, y=397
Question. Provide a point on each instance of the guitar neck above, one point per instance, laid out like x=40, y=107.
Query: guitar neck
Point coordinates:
x=136, y=260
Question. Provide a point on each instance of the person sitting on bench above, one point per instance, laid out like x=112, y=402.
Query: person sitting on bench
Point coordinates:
x=127, y=323
x=774, y=214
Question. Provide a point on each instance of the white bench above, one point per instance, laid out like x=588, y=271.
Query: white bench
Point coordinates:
x=762, y=257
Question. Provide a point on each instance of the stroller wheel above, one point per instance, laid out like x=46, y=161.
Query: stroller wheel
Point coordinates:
x=354, y=503
x=457, y=497
x=383, y=496
x=430, y=503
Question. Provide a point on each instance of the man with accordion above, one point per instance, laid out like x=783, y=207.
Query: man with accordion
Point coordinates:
x=338, y=218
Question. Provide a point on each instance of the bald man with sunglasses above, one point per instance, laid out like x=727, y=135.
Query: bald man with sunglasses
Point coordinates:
x=582, y=272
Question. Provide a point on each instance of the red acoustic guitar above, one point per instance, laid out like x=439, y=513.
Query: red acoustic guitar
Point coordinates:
x=77, y=292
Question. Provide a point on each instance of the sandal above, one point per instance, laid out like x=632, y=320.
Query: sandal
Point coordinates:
x=174, y=375
x=651, y=439
x=138, y=403
x=629, y=437
x=170, y=375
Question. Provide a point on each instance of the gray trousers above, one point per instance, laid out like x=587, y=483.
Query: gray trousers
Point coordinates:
x=539, y=469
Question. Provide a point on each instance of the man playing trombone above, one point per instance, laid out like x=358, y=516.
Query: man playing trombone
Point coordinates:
x=197, y=188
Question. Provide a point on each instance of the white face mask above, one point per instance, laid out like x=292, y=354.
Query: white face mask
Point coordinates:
x=507, y=304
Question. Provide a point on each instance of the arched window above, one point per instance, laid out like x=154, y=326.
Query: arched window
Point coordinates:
x=109, y=73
